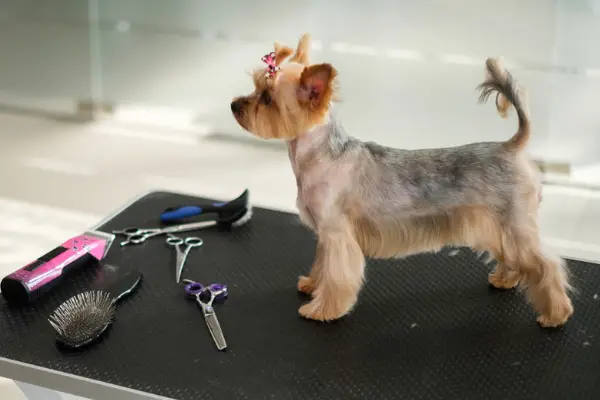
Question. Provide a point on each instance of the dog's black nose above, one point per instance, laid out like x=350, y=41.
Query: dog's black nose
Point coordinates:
x=236, y=106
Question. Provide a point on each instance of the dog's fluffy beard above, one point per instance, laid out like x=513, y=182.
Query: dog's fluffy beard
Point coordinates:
x=363, y=199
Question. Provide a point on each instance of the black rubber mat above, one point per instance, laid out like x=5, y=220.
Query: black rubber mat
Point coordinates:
x=427, y=327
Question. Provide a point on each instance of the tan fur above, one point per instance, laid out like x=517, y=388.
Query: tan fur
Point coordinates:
x=334, y=290
x=364, y=200
x=282, y=53
x=302, y=55
x=498, y=79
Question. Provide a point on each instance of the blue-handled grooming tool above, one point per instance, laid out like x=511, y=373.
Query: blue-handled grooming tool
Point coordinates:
x=181, y=213
x=232, y=213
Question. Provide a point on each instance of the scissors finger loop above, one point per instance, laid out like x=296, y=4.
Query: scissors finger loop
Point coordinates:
x=219, y=290
x=127, y=231
x=194, y=241
x=137, y=238
x=194, y=288
x=174, y=240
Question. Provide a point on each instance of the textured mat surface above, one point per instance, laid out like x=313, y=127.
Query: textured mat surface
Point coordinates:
x=427, y=327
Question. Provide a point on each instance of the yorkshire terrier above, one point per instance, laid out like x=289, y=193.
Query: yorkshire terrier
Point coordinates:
x=362, y=199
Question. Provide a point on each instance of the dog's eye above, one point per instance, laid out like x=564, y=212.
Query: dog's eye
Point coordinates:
x=265, y=99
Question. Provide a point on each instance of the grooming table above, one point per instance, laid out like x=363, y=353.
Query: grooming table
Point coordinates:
x=426, y=327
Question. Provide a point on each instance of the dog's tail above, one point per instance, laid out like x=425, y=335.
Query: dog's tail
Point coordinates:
x=499, y=80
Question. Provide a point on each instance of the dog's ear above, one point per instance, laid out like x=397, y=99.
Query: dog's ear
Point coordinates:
x=316, y=85
x=302, y=55
x=282, y=53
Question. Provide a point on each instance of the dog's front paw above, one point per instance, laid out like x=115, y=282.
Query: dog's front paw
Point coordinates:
x=306, y=285
x=503, y=281
x=323, y=311
x=316, y=313
x=559, y=316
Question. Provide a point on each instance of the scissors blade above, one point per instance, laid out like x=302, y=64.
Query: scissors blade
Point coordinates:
x=189, y=227
x=215, y=330
x=179, y=261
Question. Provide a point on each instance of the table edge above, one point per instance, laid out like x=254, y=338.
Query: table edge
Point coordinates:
x=123, y=207
x=69, y=383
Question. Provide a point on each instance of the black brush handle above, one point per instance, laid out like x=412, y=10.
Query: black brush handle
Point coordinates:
x=124, y=285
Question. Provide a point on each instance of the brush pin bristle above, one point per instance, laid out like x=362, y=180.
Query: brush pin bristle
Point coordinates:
x=83, y=317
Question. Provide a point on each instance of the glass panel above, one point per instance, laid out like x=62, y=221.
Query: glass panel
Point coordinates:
x=45, y=49
x=406, y=59
x=574, y=125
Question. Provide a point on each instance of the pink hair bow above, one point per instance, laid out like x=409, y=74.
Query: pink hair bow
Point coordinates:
x=272, y=68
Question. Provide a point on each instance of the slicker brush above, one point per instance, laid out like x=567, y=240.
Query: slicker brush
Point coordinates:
x=84, y=317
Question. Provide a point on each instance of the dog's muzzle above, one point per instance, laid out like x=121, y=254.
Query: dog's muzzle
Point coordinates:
x=237, y=106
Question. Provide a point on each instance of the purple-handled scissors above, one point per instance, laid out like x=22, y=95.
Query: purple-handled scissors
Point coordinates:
x=215, y=291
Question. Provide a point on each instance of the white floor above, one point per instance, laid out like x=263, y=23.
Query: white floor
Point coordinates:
x=9, y=391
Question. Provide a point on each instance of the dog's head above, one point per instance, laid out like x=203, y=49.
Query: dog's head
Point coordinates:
x=290, y=95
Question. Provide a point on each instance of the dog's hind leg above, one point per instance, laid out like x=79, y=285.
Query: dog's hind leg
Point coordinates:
x=481, y=229
x=506, y=273
x=543, y=276
x=504, y=277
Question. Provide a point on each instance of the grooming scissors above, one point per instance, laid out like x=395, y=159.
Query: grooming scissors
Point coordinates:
x=139, y=235
x=182, y=252
x=200, y=293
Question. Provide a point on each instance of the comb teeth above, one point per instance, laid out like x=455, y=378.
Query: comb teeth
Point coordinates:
x=83, y=317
